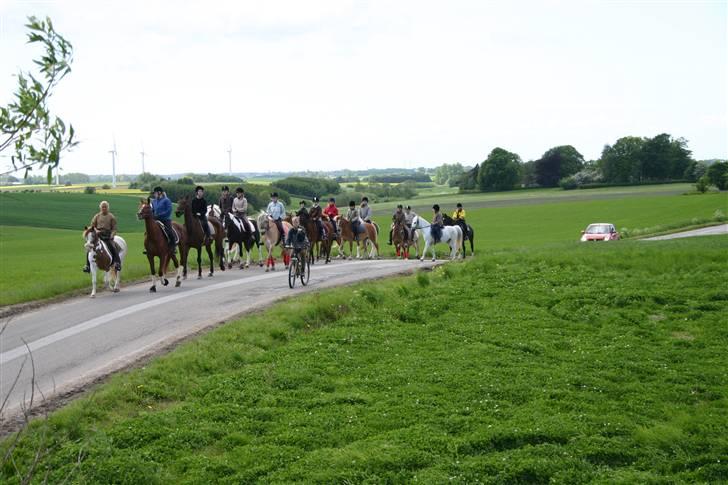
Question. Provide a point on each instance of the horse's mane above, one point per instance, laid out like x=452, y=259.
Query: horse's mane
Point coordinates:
x=261, y=217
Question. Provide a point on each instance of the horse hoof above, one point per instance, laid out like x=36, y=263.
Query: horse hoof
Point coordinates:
x=433, y=260
x=93, y=295
x=116, y=290
x=178, y=284
x=422, y=259
x=230, y=266
x=165, y=282
x=153, y=289
x=267, y=269
x=210, y=275
x=184, y=277
x=199, y=276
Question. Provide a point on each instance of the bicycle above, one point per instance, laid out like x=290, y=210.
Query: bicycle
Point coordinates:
x=299, y=267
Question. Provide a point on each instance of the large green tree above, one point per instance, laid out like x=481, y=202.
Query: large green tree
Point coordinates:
x=30, y=133
x=621, y=162
x=664, y=158
x=500, y=171
x=557, y=163
x=717, y=173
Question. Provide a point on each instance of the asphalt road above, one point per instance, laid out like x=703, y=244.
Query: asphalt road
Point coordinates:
x=76, y=342
x=705, y=231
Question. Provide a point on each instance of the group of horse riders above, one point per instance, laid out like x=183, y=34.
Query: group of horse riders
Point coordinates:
x=237, y=207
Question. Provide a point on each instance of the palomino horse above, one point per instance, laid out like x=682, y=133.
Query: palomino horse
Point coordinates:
x=451, y=235
x=468, y=233
x=155, y=244
x=239, y=240
x=346, y=234
x=196, y=238
x=401, y=240
x=272, y=238
x=99, y=258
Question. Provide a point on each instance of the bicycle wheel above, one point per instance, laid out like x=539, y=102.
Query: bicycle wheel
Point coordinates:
x=292, y=273
x=305, y=271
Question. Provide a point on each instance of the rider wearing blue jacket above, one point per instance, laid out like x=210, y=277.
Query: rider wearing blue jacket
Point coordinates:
x=162, y=208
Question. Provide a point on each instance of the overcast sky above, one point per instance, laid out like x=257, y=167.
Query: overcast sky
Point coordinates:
x=347, y=84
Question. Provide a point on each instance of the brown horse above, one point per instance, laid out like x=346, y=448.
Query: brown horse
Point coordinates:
x=196, y=237
x=314, y=237
x=155, y=244
x=401, y=242
x=346, y=234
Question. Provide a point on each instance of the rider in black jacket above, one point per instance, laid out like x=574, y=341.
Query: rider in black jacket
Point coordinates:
x=199, y=209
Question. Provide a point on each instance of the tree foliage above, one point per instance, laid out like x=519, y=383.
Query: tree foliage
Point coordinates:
x=500, y=171
x=448, y=173
x=30, y=132
x=717, y=173
x=308, y=186
x=557, y=163
x=634, y=159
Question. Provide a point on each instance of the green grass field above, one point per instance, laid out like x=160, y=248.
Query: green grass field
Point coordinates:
x=54, y=257
x=567, y=363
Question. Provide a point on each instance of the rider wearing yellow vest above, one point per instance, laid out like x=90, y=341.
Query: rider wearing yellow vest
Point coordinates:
x=459, y=214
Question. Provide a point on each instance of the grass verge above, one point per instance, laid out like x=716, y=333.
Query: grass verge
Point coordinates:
x=569, y=362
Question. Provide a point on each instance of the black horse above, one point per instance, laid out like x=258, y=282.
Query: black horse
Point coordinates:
x=468, y=232
x=245, y=239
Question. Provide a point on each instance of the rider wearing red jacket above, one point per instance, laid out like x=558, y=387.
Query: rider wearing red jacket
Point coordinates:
x=331, y=212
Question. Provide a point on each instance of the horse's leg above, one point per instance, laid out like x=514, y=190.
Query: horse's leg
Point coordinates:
x=219, y=249
x=178, y=266
x=212, y=259
x=92, y=265
x=164, y=262
x=424, y=250
x=150, y=257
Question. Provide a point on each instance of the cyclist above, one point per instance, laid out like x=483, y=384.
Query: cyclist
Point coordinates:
x=296, y=238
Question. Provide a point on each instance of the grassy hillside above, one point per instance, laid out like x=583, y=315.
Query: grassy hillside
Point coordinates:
x=567, y=363
x=66, y=210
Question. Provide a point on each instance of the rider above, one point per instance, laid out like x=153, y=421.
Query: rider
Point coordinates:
x=302, y=211
x=459, y=217
x=225, y=202
x=240, y=208
x=398, y=218
x=331, y=212
x=199, y=209
x=276, y=210
x=315, y=215
x=162, y=208
x=409, y=218
x=105, y=223
x=365, y=212
x=437, y=223
x=296, y=237
x=352, y=215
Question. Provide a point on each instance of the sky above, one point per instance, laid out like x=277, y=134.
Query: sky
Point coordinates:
x=327, y=85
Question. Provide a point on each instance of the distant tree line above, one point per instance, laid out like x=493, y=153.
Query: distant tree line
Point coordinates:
x=630, y=160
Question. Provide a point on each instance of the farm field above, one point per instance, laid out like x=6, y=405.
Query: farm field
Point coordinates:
x=569, y=363
x=55, y=257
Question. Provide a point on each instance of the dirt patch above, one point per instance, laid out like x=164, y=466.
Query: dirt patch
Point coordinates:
x=682, y=336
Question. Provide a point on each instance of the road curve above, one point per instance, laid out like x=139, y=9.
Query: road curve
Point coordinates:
x=705, y=231
x=81, y=340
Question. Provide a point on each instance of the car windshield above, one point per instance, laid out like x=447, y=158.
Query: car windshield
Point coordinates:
x=598, y=229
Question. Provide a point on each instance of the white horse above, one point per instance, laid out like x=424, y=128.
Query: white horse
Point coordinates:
x=451, y=235
x=96, y=248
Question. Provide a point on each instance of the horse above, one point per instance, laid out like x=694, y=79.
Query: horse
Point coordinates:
x=155, y=245
x=452, y=235
x=468, y=233
x=196, y=237
x=99, y=258
x=239, y=240
x=314, y=237
x=401, y=240
x=272, y=238
x=346, y=234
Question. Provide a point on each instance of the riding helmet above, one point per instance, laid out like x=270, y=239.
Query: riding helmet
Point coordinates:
x=274, y=194
x=303, y=202
x=315, y=199
x=408, y=208
x=239, y=190
x=199, y=187
x=352, y=203
x=225, y=188
x=436, y=207
x=399, y=206
x=365, y=199
x=459, y=206
x=158, y=189
x=332, y=200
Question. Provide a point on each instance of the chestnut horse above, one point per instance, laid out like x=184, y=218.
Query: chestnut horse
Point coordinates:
x=155, y=244
x=314, y=237
x=272, y=238
x=400, y=241
x=346, y=234
x=99, y=258
x=196, y=237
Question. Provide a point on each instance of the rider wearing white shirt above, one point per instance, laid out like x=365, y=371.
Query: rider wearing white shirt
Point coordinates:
x=276, y=210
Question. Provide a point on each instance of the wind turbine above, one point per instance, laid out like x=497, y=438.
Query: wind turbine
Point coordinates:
x=230, y=160
x=113, y=165
x=143, y=153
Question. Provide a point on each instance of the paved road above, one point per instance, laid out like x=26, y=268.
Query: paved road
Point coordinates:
x=705, y=231
x=80, y=340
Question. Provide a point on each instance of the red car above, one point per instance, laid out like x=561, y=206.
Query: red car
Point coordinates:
x=600, y=232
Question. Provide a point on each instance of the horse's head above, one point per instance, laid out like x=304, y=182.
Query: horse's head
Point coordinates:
x=91, y=237
x=182, y=206
x=145, y=209
x=263, y=221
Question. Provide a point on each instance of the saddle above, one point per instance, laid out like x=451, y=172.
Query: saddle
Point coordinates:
x=210, y=227
x=172, y=238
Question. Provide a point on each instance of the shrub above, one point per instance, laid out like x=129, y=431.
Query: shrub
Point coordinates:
x=106, y=186
x=307, y=186
x=89, y=190
x=702, y=184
